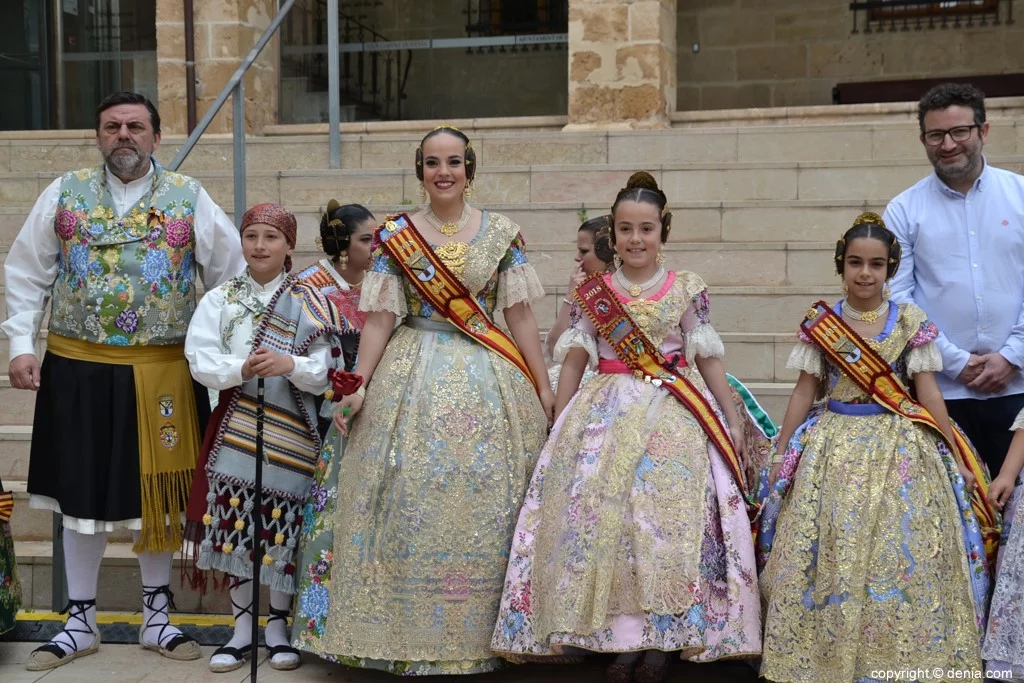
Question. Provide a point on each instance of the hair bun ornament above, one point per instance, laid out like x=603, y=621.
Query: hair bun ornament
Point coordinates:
x=868, y=217
x=642, y=180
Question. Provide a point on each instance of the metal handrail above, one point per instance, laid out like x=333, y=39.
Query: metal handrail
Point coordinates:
x=235, y=87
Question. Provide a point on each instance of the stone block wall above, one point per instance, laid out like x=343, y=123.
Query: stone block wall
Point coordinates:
x=225, y=31
x=622, y=69
x=779, y=53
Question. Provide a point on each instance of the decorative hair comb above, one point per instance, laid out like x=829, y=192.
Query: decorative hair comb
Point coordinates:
x=869, y=217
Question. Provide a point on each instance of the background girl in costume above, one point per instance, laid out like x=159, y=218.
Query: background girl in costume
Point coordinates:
x=263, y=323
x=439, y=456
x=634, y=535
x=345, y=233
x=346, y=236
x=1003, y=650
x=594, y=254
x=10, y=587
x=892, y=576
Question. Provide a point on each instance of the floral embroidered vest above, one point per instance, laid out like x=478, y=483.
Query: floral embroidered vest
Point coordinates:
x=125, y=280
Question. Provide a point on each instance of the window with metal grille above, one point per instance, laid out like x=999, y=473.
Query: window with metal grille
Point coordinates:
x=516, y=17
x=904, y=15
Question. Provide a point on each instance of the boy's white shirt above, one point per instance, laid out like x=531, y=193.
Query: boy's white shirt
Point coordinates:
x=217, y=364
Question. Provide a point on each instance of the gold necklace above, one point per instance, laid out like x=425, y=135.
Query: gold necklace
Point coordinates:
x=449, y=228
x=867, y=317
x=634, y=289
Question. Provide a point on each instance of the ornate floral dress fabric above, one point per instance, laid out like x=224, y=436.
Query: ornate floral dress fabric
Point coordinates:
x=317, y=539
x=10, y=586
x=633, y=534
x=433, y=474
x=1004, y=642
x=875, y=560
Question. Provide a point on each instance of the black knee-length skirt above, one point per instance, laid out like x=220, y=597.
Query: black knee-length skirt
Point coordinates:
x=85, y=439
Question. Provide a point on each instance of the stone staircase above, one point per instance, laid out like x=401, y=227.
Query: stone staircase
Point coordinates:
x=759, y=198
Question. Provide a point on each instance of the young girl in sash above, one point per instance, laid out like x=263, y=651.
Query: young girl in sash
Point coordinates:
x=345, y=236
x=634, y=535
x=875, y=559
x=438, y=457
x=1003, y=650
x=594, y=254
x=266, y=324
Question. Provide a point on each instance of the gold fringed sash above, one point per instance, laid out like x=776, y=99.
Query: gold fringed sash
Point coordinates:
x=848, y=351
x=169, y=439
x=445, y=292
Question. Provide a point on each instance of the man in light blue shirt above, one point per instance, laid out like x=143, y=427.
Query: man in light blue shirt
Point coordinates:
x=962, y=233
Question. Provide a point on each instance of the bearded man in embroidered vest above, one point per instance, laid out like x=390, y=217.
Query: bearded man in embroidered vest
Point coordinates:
x=117, y=419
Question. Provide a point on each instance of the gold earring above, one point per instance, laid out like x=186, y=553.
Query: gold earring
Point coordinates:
x=423, y=191
x=661, y=256
x=846, y=290
x=343, y=259
x=318, y=241
x=468, y=191
x=886, y=292
x=617, y=260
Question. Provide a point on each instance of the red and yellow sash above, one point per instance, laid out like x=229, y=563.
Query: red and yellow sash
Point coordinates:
x=640, y=355
x=850, y=353
x=6, y=506
x=445, y=292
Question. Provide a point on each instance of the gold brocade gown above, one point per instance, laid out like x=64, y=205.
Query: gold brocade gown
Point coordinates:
x=433, y=474
x=870, y=568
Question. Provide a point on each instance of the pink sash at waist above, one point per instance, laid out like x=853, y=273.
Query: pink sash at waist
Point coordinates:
x=614, y=366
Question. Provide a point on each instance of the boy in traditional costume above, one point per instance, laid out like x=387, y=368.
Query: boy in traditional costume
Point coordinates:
x=266, y=324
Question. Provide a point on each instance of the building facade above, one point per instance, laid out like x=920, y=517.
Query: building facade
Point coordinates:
x=600, y=63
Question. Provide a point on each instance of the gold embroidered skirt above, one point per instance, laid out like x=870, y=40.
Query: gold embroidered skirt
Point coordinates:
x=429, y=488
x=868, y=571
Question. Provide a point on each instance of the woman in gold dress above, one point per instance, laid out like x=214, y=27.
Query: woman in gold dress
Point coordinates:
x=438, y=459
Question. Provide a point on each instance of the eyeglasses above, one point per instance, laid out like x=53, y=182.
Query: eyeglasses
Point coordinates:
x=934, y=138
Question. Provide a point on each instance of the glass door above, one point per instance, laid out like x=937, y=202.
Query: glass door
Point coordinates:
x=106, y=46
x=25, y=66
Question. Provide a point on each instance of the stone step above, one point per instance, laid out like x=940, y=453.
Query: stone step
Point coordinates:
x=15, y=441
x=734, y=263
x=769, y=220
x=741, y=309
x=754, y=357
x=738, y=264
x=822, y=180
x=120, y=585
x=764, y=359
x=390, y=150
x=31, y=524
